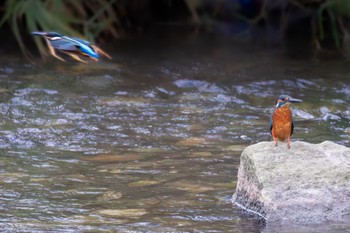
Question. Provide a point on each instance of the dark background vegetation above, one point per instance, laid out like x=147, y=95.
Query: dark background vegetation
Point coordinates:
x=306, y=25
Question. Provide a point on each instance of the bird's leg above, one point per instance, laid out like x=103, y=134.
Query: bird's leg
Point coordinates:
x=76, y=57
x=288, y=142
x=52, y=51
x=100, y=51
x=93, y=58
x=275, y=141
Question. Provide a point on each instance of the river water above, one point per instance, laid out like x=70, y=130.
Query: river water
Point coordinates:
x=150, y=140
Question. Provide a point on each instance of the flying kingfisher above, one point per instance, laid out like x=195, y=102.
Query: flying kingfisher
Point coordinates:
x=281, y=120
x=74, y=47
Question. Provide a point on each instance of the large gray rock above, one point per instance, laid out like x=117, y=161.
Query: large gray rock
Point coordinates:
x=310, y=183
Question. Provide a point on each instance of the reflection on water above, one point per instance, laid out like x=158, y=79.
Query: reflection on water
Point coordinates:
x=151, y=140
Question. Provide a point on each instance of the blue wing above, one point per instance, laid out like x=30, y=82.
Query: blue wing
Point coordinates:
x=63, y=44
x=87, y=48
x=271, y=122
x=87, y=43
x=74, y=45
x=89, y=51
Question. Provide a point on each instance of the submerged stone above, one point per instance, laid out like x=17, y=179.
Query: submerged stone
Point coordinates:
x=143, y=183
x=307, y=184
x=114, y=157
x=110, y=195
x=192, y=141
x=191, y=187
x=125, y=213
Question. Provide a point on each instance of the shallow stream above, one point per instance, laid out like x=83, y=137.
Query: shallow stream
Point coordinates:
x=150, y=140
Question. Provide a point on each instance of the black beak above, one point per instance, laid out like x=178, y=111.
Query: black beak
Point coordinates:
x=39, y=33
x=292, y=100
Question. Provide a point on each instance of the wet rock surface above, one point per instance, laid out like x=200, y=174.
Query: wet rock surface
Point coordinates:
x=307, y=184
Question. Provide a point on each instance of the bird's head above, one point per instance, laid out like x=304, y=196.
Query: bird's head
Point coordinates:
x=286, y=100
x=48, y=35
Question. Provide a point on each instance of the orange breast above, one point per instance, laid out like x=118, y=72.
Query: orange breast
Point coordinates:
x=282, y=123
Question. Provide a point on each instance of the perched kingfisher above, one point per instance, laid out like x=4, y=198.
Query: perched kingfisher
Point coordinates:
x=74, y=47
x=281, y=120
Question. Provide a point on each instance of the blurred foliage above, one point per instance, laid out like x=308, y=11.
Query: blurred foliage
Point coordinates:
x=328, y=20
x=338, y=13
